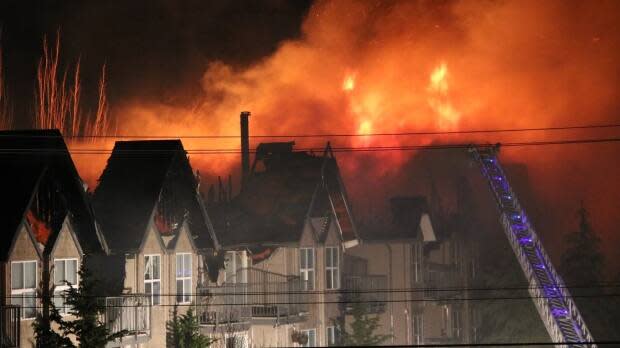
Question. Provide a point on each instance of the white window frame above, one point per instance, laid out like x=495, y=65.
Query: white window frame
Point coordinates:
x=59, y=289
x=184, y=292
x=149, y=266
x=20, y=293
x=417, y=257
x=236, y=263
x=456, y=255
x=456, y=323
x=331, y=335
x=305, y=271
x=332, y=272
x=445, y=321
x=418, y=328
x=307, y=333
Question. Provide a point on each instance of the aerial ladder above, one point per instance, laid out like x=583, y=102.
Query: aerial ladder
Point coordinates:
x=549, y=294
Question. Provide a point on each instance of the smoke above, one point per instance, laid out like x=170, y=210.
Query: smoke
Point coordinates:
x=370, y=67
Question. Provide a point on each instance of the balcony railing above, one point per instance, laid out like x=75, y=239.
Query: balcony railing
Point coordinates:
x=368, y=289
x=130, y=314
x=442, y=282
x=254, y=293
x=9, y=326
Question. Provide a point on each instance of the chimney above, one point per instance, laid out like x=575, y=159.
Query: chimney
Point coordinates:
x=245, y=146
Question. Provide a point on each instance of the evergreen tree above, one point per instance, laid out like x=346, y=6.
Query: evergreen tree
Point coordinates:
x=184, y=331
x=582, y=268
x=582, y=262
x=87, y=308
x=44, y=334
x=363, y=327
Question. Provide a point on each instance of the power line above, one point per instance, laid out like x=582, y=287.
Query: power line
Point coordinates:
x=327, y=135
x=602, y=285
x=262, y=303
x=205, y=151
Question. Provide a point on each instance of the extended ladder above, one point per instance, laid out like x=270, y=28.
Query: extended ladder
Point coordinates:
x=551, y=298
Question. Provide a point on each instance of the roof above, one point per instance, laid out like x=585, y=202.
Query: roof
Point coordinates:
x=140, y=178
x=279, y=195
x=28, y=156
x=410, y=215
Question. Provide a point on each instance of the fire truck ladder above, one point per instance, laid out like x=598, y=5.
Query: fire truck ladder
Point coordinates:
x=551, y=297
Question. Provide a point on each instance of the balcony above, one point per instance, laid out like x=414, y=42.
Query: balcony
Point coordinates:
x=130, y=314
x=442, y=282
x=368, y=289
x=254, y=294
x=9, y=324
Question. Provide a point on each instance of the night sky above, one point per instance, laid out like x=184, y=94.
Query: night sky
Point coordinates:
x=151, y=48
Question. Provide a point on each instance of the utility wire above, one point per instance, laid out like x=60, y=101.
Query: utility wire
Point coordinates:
x=205, y=151
x=606, y=285
x=326, y=135
x=262, y=303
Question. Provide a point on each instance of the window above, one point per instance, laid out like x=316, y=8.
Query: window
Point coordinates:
x=456, y=323
x=152, y=277
x=65, y=270
x=23, y=287
x=417, y=262
x=331, y=336
x=311, y=334
x=418, y=328
x=235, y=267
x=184, y=277
x=332, y=275
x=445, y=320
x=236, y=341
x=456, y=255
x=306, y=267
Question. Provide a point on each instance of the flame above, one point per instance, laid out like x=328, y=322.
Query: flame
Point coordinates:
x=348, y=84
x=365, y=128
x=439, y=100
x=439, y=79
x=40, y=229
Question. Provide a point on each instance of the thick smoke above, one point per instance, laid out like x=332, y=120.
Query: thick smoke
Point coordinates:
x=371, y=67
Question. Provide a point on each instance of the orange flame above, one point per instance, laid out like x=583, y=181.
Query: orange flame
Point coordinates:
x=40, y=229
x=348, y=84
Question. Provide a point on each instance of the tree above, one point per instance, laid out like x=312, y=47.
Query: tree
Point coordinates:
x=184, y=331
x=363, y=327
x=44, y=334
x=87, y=308
x=583, y=261
x=582, y=268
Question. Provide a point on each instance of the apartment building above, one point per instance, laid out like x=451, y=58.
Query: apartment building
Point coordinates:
x=47, y=224
x=159, y=236
x=428, y=265
x=284, y=235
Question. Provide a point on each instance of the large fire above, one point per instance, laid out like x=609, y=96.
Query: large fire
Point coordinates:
x=362, y=67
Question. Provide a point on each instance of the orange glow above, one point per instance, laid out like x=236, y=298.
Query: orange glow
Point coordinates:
x=365, y=128
x=439, y=100
x=349, y=83
x=458, y=65
x=40, y=229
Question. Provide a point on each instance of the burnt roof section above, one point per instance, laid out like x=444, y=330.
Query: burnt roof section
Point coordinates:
x=130, y=186
x=406, y=214
x=25, y=155
x=287, y=187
